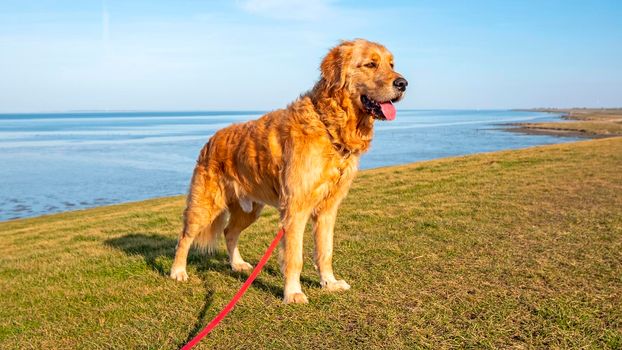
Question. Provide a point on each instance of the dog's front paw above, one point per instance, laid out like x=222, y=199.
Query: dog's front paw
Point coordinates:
x=296, y=298
x=241, y=267
x=179, y=274
x=334, y=286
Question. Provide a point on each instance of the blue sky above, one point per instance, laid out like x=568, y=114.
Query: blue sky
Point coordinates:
x=58, y=55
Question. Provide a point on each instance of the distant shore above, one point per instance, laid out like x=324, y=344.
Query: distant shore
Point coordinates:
x=578, y=122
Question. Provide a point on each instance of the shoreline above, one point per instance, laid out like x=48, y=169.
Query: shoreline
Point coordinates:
x=181, y=196
x=557, y=132
x=23, y=209
x=576, y=122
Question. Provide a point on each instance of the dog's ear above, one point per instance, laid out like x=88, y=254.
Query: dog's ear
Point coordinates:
x=334, y=66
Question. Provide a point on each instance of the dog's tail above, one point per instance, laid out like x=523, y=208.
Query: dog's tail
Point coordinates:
x=205, y=216
x=207, y=239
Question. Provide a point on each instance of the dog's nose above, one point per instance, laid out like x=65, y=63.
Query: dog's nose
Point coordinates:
x=400, y=84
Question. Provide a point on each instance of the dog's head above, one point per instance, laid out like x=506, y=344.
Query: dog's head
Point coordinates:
x=364, y=71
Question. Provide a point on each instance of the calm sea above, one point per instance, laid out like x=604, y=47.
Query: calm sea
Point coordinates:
x=57, y=162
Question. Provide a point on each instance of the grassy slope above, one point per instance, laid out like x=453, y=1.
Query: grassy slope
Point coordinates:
x=518, y=248
x=588, y=122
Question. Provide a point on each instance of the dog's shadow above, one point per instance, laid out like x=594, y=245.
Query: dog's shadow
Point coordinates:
x=158, y=251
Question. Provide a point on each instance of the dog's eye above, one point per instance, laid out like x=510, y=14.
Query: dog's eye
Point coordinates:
x=391, y=65
x=371, y=65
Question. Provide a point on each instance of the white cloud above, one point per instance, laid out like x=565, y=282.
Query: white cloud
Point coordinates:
x=298, y=10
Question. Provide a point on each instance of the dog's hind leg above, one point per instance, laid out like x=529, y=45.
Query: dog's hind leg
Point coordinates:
x=204, y=218
x=239, y=219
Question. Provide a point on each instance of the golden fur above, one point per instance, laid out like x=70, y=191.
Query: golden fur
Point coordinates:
x=300, y=160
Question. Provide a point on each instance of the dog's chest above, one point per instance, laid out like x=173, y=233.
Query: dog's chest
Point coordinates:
x=339, y=175
x=346, y=168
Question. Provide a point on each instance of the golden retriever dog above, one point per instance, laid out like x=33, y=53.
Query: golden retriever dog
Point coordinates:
x=300, y=160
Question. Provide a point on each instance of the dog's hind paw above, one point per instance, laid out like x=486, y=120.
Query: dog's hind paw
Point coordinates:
x=334, y=286
x=295, y=298
x=179, y=275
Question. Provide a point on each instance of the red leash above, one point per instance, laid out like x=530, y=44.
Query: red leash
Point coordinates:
x=214, y=322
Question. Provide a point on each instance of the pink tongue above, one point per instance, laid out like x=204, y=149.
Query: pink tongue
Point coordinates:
x=388, y=110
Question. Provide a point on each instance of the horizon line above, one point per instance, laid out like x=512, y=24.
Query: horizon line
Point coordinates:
x=254, y=111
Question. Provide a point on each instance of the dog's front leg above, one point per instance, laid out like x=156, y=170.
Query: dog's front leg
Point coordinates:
x=323, y=229
x=293, y=221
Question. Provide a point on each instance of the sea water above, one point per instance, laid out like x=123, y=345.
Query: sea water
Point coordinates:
x=65, y=161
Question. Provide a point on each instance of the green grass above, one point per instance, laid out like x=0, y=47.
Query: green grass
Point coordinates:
x=517, y=249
